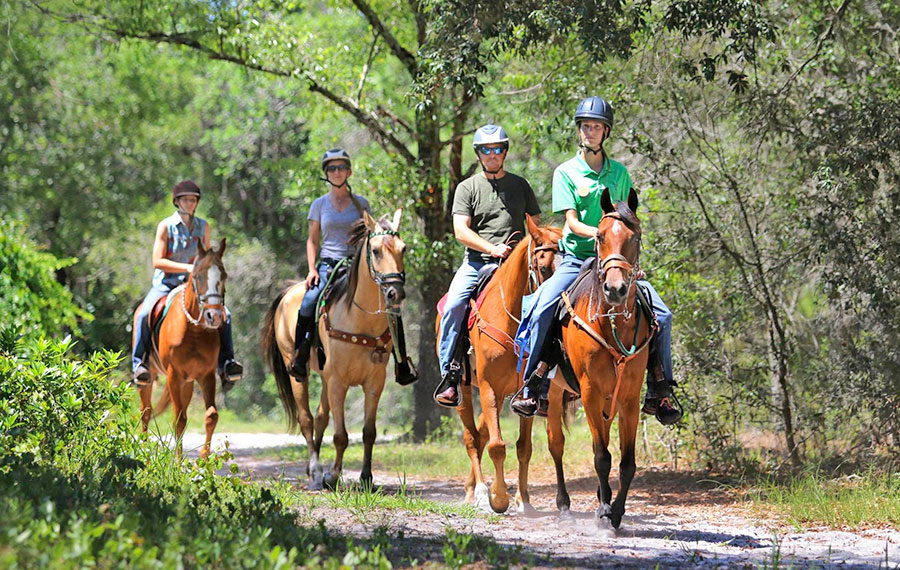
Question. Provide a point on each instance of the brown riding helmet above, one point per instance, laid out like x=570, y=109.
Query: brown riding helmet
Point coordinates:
x=185, y=188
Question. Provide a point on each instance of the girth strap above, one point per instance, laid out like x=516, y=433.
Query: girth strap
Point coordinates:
x=378, y=344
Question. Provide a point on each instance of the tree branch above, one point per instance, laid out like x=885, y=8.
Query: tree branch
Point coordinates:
x=404, y=55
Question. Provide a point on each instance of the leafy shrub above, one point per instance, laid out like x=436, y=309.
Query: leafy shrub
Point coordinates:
x=30, y=296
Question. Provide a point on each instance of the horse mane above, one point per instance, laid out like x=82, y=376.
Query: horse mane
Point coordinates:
x=345, y=285
x=514, y=261
x=584, y=285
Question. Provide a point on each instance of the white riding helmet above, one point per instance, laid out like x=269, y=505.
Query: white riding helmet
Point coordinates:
x=490, y=134
x=335, y=154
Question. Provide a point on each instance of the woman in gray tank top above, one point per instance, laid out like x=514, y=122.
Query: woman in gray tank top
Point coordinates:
x=330, y=219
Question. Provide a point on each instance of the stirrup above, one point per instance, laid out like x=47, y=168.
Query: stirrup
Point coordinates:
x=298, y=367
x=141, y=377
x=408, y=375
x=669, y=411
x=451, y=379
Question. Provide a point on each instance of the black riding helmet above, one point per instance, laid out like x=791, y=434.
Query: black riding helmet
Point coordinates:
x=596, y=108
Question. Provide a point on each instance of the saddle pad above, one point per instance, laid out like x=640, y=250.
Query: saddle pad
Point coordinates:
x=484, y=278
x=161, y=309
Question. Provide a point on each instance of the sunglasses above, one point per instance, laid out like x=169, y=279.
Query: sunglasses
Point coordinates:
x=489, y=151
x=336, y=168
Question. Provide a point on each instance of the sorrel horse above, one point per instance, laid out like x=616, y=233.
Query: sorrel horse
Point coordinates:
x=187, y=347
x=491, y=336
x=355, y=334
x=603, y=311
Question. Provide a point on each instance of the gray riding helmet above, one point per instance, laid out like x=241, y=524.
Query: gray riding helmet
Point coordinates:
x=596, y=108
x=335, y=154
x=490, y=134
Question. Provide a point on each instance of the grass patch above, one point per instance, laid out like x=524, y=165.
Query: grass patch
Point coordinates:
x=849, y=502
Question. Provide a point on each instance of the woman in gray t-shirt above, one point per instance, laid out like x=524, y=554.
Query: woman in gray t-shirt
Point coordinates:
x=330, y=218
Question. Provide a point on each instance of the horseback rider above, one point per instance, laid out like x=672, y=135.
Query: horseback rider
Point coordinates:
x=174, y=251
x=577, y=187
x=488, y=211
x=331, y=218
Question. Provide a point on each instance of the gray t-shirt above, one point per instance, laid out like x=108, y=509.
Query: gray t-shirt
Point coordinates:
x=495, y=214
x=335, y=226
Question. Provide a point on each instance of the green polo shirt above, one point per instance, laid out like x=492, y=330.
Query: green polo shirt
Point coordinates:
x=577, y=186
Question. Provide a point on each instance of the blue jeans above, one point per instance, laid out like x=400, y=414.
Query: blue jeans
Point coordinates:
x=664, y=335
x=142, y=333
x=536, y=322
x=458, y=295
x=308, y=305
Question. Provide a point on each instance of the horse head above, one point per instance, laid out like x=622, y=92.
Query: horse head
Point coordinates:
x=384, y=255
x=544, y=259
x=618, y=247
x=208, y=285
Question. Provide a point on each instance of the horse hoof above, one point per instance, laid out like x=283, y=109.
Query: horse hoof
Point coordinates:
x=331, y=481
x=524, y=508
x=565, y=516
x=605, y=528
x=482, y=498
x=315, y=485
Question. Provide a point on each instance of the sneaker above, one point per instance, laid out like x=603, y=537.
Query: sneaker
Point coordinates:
x=141, y=376
x=668, y=414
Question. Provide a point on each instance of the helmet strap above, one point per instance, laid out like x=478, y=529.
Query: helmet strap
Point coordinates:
x=329, y=182
x=183, y=212
x=486, y=171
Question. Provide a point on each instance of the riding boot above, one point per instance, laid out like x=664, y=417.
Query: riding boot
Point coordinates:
x=404, y=370
x=447, y=393
x=527, y=401
x=302, y=344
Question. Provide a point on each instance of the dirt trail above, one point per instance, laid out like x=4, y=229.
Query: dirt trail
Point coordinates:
x=673, y=521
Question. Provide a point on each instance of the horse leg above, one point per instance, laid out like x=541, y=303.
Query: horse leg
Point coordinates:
x=373, y=388
x=466, y=411
x=305, y=419
x=319, y=425
x=146, y=393
x=628, y=424
x=180, y=392
x=496, y=447
x=556, y=442
x=523, y=453
x=208, y=387
x=602, y=460
x=337, y=393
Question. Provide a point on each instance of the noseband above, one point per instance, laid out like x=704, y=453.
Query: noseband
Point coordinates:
x=383, y=280
x=534, y=278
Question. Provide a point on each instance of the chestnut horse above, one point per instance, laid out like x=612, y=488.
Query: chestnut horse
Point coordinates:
x=604, y=319
x=355, y=334
x=491, y=336
x=187, y=347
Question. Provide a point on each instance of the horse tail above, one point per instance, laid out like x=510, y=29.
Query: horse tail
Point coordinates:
x=165, y=400
x=272, y=354
x=570, y=402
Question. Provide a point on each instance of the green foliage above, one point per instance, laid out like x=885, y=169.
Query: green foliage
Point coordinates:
x=30, y=296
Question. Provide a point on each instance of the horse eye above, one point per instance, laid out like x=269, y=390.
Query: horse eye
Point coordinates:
x=376, y=251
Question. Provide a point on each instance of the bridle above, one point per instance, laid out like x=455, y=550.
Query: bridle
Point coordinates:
x=202, y=301
x=383, y=280
x=617, y=260
x=534, y=272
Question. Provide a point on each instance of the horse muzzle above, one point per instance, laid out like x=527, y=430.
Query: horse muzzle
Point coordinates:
x=394, y=294
x=615, y=293
x=213, y=317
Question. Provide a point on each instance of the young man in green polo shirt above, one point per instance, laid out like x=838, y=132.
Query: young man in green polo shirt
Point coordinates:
x=578, y=184
x=488, y=209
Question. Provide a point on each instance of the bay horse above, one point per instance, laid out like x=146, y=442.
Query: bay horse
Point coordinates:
x=355, y=334
x=187, y=347
x=491, y=335
x=603, y=311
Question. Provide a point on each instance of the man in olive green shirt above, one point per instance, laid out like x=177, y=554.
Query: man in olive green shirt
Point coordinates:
x=488, y=211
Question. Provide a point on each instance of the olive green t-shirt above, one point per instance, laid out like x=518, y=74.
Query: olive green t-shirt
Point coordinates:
x=577, y=186
x=495, y=214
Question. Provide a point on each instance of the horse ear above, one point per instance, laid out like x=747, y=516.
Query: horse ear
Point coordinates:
x=633, y=200
x=606, y=202
x=369, y=221
x=201, y=249
x=533, y=230
x=221, y=249
x=397, y=215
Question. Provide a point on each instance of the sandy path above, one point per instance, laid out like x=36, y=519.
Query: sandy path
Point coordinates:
x=673, y=520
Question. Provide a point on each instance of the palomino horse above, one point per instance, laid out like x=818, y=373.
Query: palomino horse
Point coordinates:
x=491, y=335
x=187, y=347
x=356, y=337
x=603, y=311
